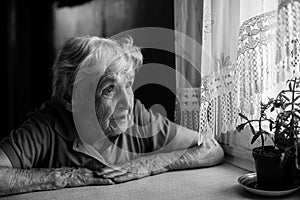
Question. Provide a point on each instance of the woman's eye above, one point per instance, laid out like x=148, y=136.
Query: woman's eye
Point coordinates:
x=108, y=91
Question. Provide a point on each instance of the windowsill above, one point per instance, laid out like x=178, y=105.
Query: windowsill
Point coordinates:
x=240, y=158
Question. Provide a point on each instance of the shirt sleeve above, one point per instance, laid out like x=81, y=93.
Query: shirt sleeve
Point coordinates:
x=165, y=135
x=27, y=146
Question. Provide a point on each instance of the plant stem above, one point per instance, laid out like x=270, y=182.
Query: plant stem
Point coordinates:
x=261, y=135
x=293, y=107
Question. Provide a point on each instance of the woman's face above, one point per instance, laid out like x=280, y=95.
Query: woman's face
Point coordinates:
x=114, y=102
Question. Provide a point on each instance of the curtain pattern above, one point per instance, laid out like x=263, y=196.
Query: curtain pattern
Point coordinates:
x=213, y=106
x=237, y=66
x=288, y=46
x=188, y=21
x=287, y=40
x=255, y=68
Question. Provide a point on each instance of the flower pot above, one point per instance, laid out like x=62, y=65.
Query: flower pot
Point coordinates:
x=274, y=172
x=298, y=162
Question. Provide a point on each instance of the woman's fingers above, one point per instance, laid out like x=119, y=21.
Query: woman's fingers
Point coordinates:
x=130, y=176
x=107, y=170
x=82, y=177
x=102, y=181
x=125, y=177
x=114, y=173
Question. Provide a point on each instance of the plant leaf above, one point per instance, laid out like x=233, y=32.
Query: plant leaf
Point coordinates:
x=290, y=86
x=296, y=98
x=297, y=109
x=252, y=129
x=297, y=116
x=256, y=136
x=267, y=134
x=288, y=104
x=285, y=97
x=240, y=127
x=243, y=116
x=270, y=126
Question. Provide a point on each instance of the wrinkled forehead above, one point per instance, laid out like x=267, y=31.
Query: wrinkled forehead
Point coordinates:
x=121, y=66
x=119, y=70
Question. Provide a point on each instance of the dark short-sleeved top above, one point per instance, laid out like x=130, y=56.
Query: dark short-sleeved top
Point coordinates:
x=48, y=138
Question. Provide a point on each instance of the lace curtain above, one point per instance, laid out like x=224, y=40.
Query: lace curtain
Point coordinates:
x=268, y=55
x=237, y=61
x=255, y=67
x=248, y=51
x=288, y=47
x=206, y=105
x=287, y=40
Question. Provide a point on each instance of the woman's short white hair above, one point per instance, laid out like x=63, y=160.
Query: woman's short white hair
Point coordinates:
x=84, y=51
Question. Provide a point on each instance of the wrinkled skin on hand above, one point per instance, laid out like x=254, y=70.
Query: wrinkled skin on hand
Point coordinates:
x=207, y=154
x=14, y=181
x=70, y=177
x=133, y=170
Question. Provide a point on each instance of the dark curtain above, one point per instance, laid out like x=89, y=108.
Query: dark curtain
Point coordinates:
x=27, y=58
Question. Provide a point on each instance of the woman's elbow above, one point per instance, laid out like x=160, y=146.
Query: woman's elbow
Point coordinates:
x=217, y=154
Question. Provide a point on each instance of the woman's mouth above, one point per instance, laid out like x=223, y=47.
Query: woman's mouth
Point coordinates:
x=120, y=118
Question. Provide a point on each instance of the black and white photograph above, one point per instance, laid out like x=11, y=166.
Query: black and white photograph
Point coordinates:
x=150, y=99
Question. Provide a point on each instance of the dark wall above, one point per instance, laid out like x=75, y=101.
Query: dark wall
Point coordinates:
x=34, y=30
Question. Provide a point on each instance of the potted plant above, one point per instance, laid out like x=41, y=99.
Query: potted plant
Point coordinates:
x=276, y=164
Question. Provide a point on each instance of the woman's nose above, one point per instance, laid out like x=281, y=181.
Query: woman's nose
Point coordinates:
x=125, y=100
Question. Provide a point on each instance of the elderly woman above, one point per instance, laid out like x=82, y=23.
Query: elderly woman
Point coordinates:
x=92, y=131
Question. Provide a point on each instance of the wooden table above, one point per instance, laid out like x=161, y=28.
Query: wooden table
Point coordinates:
x=214, y=183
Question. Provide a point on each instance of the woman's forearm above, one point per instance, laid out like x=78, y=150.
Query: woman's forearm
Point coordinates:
x=14, y=180
x=207, y=154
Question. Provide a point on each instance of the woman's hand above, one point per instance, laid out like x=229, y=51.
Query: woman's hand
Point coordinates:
x=72, y=177
x=135, y=169
x=209, y=153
